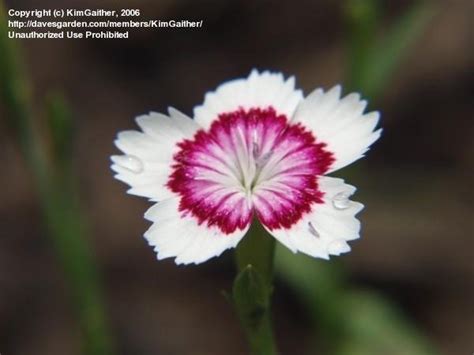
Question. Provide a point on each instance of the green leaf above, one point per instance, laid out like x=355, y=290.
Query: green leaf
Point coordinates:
x=60, y=128
x=362, y=20
x=390, y=50
x=251, y=296
x=351, y=322
x=373, y=63
x=375, y=327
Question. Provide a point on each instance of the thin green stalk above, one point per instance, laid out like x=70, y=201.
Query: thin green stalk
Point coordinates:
x=362, y=17
x=375, y=55
x=253, y=288
x=58, y=197
x=15, y=92
x=257, y=249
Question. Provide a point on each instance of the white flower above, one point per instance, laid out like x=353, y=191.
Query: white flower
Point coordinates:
x=256, y=147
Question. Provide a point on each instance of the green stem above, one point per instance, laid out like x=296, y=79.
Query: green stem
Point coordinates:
x=254, y=256
x=257, y=249
x=260, y=339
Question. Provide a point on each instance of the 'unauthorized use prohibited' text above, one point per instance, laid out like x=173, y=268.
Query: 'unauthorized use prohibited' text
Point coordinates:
x=86, y=23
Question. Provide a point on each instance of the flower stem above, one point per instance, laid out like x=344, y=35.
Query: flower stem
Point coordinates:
x=253, y=289
x=257, y=249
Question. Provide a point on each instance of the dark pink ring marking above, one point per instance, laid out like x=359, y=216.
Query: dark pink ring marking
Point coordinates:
x=249, y=161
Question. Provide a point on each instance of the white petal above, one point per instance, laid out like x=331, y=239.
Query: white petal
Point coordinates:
x=340, y=123
x=259, y=90
x=175, y=236
x=327, y=228
x=146, y=165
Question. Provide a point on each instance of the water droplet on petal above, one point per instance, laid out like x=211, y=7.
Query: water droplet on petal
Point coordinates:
x=129, y=162
x=313, y=230
x=341, y=201
x=338, y=246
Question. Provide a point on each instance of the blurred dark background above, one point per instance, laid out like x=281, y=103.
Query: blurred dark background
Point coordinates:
x=417, y=242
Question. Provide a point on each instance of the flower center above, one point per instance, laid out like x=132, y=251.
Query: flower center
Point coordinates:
x=249, y=161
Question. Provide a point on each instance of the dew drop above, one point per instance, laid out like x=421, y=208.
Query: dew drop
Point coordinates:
x=129, y=162
x=313, y=230
x=338, y=246
x=341, y=201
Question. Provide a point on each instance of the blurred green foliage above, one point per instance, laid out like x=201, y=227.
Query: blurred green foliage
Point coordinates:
x=373, y=58
x=355, y=322
x=60, y=123
x=57, y=189
x=350, y=321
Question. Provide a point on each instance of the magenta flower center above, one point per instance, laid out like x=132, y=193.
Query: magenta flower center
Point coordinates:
x=249, y=161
